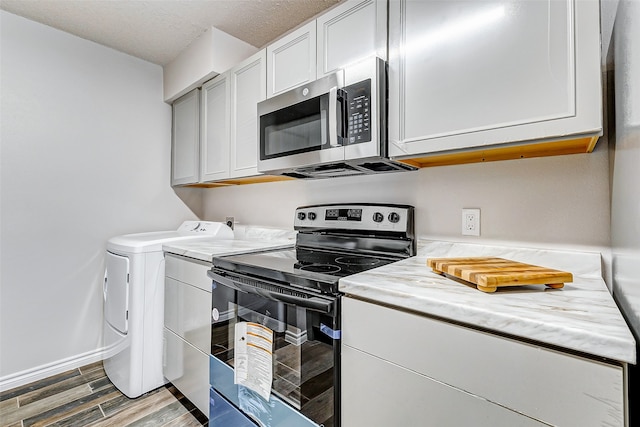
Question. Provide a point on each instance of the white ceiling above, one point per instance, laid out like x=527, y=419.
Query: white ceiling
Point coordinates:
x=157, y=30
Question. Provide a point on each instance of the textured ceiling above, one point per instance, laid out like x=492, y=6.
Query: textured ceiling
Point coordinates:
x=157, y=30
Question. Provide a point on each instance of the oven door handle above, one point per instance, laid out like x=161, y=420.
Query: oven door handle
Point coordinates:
x=312, y=303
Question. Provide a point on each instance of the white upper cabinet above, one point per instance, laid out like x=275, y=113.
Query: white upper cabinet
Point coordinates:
x=248, y=87
x=464, y=75
x=215, y=131
x=291, y=60
x=185, y=147
x=354, y=30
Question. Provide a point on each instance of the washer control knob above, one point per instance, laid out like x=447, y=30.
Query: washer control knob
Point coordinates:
x=312, y=216
x=378, y=217
x=394, y=217
x=302, y=216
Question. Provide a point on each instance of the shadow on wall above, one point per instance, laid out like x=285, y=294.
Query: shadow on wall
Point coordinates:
x=192, y=198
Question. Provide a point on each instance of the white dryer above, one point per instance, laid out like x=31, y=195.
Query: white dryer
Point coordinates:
x=134, y=304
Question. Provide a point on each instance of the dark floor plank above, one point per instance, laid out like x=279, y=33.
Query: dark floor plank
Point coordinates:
x=137, y=409
x=60, y=386
x=85, y=397
x=121, y=402
x=81, y=418
x=186, y=420
x=70, y=408
x=100, y=383
x=46, y=404
x=90, y=367
x=161, y=416
x=38, y=384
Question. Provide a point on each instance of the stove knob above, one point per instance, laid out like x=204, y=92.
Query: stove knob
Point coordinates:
x=302, y=216
x=394, y=217
x=312, y=216
x=378, y=217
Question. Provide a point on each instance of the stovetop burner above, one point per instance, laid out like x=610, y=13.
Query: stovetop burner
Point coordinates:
x=321, y=268
x=361, y=261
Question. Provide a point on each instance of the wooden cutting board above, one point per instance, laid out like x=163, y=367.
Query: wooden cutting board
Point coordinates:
x=490, y=273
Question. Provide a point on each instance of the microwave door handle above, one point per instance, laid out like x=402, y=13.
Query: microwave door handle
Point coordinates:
x=333, y=122
x=311, y=303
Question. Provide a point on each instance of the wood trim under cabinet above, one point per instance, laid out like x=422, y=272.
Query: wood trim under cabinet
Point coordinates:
x=555, y=148
x=241, y=181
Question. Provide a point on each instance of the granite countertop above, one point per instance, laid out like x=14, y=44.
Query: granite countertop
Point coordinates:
x=582, y=316
x=247, y=239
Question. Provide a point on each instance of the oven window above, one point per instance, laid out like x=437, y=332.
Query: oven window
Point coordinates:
x=295, y=129
x=303, y=356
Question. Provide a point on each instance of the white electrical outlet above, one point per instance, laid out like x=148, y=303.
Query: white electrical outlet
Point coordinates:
x=471, y=222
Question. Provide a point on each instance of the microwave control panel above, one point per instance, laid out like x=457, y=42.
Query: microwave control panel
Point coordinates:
x=358, y=112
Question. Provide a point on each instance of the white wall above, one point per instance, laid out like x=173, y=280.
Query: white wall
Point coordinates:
x=543, y=202
x=625, y=214
x=85, y=155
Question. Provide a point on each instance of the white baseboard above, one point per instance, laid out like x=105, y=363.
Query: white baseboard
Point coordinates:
x=41, y=372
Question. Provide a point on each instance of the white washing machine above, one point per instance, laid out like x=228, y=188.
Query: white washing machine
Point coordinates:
x=134, y=304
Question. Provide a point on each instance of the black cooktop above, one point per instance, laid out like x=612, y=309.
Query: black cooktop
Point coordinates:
x=311, y=269
x=333, y=241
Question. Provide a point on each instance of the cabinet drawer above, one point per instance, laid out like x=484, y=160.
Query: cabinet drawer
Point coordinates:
x=188, y=270
x=396, y=396
x=187, y=312
x=188, y=369
x=551, y=386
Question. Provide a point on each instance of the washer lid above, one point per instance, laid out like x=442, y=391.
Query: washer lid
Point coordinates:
x=153, y=241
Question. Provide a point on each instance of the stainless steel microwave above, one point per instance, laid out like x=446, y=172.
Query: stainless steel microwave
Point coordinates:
x=334, y=126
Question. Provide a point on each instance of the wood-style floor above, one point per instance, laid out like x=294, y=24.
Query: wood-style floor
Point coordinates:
x=85, y=397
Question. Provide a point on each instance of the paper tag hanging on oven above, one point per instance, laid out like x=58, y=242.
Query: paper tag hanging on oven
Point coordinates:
x=253, y=365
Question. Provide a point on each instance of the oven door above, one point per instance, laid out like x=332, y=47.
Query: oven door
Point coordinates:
x=302, y=127
x=304, y=353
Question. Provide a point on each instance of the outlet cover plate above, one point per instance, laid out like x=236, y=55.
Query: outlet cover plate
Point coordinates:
x=471, y=222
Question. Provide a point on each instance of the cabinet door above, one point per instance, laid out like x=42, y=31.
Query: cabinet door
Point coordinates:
x=185, y=146
x=187, y=368
x=291, y=60
x=215, y=129
x=352, y=31
x=187, y=311
x=248, y=87
x=470, y=74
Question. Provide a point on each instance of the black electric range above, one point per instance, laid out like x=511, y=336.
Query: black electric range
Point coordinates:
x=288, y=300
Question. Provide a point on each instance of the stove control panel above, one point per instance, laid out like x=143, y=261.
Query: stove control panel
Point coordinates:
x=372, y=217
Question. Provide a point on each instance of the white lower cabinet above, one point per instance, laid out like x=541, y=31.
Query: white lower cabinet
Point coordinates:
x=187, y=368
x=187, y=328
x=400, y=368
x=381, y=393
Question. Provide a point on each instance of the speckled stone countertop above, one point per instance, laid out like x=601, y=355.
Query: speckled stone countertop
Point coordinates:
x=247, y=239
x=582, y=316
